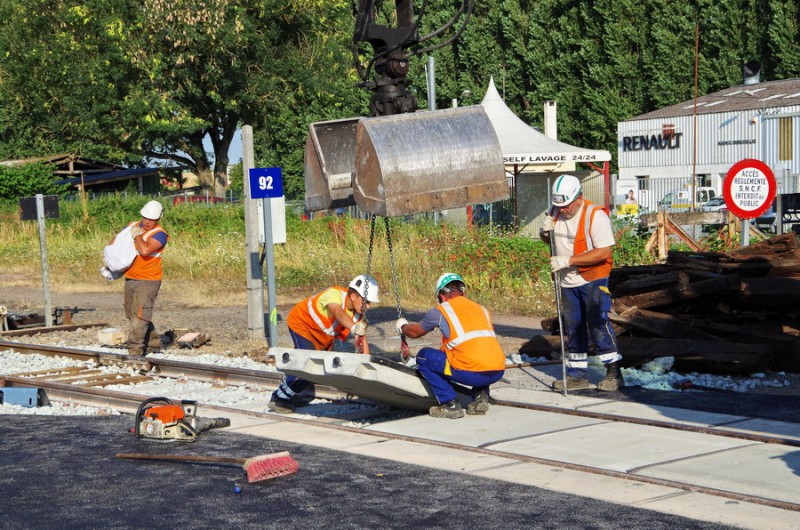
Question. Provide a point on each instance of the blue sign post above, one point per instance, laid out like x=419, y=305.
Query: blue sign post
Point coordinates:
x=267, y=183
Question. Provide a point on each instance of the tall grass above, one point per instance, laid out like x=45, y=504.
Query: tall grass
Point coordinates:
x=205, y=258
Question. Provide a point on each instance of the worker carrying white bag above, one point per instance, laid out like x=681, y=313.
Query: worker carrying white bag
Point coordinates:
x=118, y=255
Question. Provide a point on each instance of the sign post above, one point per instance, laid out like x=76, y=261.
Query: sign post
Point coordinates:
x=266, y=183
x=749, y=189
x=40, y=208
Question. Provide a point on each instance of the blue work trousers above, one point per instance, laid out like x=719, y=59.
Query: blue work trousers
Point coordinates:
x=585, y=315
x=293, y=385
x=431, y=364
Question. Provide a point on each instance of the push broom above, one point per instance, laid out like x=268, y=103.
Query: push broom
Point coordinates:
x=258, y=468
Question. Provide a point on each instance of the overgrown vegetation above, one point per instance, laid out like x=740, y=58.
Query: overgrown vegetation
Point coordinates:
x=28, y=180
x=206, y=255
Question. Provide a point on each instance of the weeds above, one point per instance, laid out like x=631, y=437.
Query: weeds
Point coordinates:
x=206, y=256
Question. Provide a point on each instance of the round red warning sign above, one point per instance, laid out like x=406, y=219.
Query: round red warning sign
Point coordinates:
x=749, y=188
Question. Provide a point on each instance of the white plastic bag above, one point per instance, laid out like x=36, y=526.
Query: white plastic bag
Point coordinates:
x=119, y=255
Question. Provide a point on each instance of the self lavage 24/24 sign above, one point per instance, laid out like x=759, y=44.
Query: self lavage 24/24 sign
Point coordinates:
x=749, y=188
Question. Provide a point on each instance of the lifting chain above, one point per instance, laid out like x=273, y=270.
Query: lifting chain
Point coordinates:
x=395, y=286
x=394, y=272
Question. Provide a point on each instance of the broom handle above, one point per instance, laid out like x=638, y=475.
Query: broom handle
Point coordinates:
x=182, y=458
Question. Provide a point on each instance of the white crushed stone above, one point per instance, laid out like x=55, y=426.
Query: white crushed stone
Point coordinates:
x=656, y=375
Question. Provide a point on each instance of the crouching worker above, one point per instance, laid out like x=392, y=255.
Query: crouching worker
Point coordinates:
x=316, y=322
x=470, y=354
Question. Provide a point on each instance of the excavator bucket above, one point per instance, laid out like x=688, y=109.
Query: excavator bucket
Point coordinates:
x=405, y=164
x=427, y=161
x=329, y=164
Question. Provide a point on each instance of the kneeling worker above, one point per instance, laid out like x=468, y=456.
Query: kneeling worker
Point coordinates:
x=470, y=354
x=316, y=322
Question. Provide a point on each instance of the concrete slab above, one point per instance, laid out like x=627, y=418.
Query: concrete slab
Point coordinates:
x=500, y=424
x=769, y=471
x=620, y=447
x=359, y=375
x=662, y=413
x=780, y=429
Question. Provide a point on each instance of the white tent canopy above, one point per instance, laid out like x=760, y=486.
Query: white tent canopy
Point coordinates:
x=522, y=144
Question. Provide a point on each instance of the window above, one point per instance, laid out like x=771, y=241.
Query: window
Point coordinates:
x=785, y=139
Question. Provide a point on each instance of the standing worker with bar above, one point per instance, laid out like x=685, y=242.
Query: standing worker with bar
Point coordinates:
x=584, y=244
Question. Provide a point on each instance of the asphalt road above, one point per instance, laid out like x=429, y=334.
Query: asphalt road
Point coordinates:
x=60, y=472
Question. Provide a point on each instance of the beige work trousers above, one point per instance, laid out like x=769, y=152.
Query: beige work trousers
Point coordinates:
x=140, y=299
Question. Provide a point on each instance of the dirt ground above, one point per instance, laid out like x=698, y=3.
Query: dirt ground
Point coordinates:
x=228, y=328
x=227, y=325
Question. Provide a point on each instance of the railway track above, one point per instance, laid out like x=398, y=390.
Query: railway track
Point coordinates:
x=88, y=385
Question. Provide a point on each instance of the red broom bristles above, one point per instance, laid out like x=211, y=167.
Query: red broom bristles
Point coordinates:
x=265, y=467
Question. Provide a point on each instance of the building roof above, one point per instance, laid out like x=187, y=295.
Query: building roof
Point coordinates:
x=766, y=95
x=111, y=176
x=520, y=142
x=66, y=164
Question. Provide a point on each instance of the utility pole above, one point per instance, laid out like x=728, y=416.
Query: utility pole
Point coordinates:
x=255, y=273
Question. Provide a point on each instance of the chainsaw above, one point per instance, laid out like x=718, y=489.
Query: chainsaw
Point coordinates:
x=160, y=419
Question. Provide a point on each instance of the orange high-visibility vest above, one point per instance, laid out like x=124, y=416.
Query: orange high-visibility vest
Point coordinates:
x=583, y=243
x=308, y=321
x=147, y=267
x=472, y=344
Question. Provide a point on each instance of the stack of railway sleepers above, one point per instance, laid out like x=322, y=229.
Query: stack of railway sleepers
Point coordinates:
x=732, y=312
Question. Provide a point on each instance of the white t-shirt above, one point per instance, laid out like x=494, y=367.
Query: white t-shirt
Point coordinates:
x=601, y=234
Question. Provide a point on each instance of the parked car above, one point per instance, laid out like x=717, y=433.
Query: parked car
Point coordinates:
x=714, y=205
x=768, y=221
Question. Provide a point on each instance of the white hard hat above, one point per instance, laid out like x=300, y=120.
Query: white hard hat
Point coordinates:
x=565, y=189
x=152, y=210
x=446, y=279
x=367, y=287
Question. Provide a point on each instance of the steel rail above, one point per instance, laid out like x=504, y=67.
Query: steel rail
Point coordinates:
x=242, y=376
x=168, y=367
x=134, y=400
x=130, y=402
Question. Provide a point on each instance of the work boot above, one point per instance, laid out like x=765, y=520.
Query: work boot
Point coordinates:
x=479, y=405
x=281, y=406
x=451, y=410
x=613, y=379
x=136, y=352
x=155, y=344
x=573, y=383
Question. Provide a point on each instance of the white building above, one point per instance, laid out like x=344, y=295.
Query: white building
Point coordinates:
x=659, y=151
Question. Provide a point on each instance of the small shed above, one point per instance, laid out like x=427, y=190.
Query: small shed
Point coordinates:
x=532, y=159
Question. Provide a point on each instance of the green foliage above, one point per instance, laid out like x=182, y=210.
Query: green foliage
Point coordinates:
x=28, y=180
x=158, y=77
x=630, y=238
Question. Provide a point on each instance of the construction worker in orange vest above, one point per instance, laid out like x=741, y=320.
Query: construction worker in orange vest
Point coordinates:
x=316, y=322
x=143, y=279
x=583, y=245
x=470, y=354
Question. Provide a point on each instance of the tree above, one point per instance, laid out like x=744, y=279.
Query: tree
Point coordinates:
x=151, y=78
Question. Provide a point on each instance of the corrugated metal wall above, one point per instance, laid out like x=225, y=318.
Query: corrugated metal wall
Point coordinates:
x=533, y=196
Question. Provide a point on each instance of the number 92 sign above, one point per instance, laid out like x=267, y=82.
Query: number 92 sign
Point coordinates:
x=266, y=182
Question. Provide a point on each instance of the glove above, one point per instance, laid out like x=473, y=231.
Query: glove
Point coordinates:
x=549, y=223
x=559, y=262
x=136, y=230
x=399, y=325
x=360, y=328
x=360, y=342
